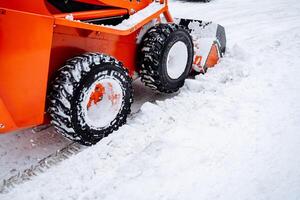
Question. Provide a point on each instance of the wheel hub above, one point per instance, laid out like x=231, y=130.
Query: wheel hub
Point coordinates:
x=177, y=60
x=103, y=102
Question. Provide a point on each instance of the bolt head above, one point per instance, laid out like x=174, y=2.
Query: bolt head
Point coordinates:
x=132, y=11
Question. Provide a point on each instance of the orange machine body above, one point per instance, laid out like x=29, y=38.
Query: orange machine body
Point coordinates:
x=35, y=41
x=37, y=38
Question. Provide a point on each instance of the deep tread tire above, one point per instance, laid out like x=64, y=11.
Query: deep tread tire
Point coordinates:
x=66, y=95
x=154, y=50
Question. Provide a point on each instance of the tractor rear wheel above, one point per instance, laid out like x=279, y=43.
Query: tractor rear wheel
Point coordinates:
x=90, y=98
x=166, y=57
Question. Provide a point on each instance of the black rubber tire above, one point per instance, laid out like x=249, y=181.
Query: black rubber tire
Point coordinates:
x=154, y=50
x=67, y=92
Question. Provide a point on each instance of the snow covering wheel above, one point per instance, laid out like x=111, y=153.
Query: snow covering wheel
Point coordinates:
x=90, y=98
x=166, y=57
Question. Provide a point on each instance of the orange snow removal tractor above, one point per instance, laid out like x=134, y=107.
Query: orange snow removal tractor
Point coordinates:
x=71, y=62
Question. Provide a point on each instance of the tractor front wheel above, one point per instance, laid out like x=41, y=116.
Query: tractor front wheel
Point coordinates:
x=166, y=57
x=90, y=98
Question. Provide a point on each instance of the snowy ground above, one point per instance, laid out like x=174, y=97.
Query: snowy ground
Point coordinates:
x=231, y=134
x=22, y=150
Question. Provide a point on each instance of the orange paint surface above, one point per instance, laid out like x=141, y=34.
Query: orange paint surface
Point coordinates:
x=96, y=95
x=213, y=57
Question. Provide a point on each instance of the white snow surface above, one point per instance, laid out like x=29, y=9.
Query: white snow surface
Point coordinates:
x=233, y=133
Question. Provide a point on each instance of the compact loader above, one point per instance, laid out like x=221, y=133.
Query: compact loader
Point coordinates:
x=71, y=62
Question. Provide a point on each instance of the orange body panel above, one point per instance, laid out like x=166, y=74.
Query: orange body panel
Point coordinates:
x=213, y=57
x=33, y=46
x=37, y=7
x=69, y=42
x=25, y=44
x=6, y=121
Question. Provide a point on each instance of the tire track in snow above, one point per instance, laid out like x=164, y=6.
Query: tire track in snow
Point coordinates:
x=73, y=148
